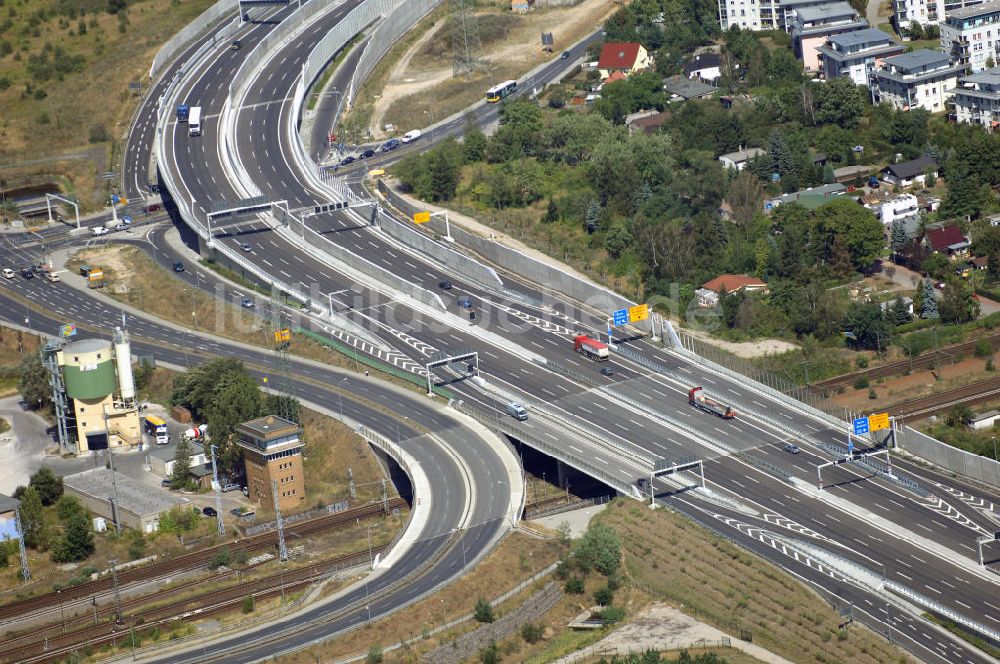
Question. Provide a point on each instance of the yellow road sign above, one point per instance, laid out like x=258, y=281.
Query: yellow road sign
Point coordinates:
x=878, y=421
x=421, y=217
x=638, y=312
x=282, y=335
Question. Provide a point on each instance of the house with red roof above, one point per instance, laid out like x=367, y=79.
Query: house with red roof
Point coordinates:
x=624, y=57
x=708, y=294
x=947, y=240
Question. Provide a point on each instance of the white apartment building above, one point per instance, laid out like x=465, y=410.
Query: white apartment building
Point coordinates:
x=971, y=35
x=890, y=207
x=920, y=79
x=976, y=100
x=857, y=54
x=927, y=12
x=749, y=14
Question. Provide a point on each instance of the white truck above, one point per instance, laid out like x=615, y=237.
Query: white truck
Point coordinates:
x=194, y=121
x=412, y=135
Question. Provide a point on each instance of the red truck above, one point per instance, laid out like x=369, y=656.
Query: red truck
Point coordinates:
x=591, y=348
x=698, y=399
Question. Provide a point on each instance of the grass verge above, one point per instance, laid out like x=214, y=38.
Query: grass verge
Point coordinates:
x=719, y=583
x=968, y=637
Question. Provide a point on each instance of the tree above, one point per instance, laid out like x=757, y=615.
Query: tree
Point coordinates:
x=839, y=102
x=928, y=304
x=916, y=30
x=869, y=325
x=34, y=383
x=858, y=228
x=604, y=596
x=898, y=312
x=599, y=549
x=474, y=143
x=957, y=304
x=32, y=519
x=68, y=507
x=236, y=399
x=77, y=542
x=617, y=240
x=745, y=196
x=180, y=476
x=967, y=193
x=483, y=611
x=898, y=238
x=48, y=484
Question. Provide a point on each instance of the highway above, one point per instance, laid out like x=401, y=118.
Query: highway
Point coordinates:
x=637, y=409
x=438, y=554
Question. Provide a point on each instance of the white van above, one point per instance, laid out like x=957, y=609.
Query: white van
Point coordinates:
x=411, y=136
x=8, y=273
x=53, y=276
x=517, y=411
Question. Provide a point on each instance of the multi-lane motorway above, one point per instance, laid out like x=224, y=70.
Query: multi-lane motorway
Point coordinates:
x=924, y=542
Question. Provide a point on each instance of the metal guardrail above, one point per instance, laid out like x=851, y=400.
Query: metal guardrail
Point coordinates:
x=878, y=469
x=942, y=610
x=766, y=466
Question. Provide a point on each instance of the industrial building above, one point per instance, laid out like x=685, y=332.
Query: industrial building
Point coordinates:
x=93, y=391
x=272, y=452
x=140, y=508
x=161, y=459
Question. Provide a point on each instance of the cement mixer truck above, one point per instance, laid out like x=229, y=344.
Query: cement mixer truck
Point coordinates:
x=195, y=433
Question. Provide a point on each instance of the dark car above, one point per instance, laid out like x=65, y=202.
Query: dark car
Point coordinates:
x=391, y=144
x=247, y=303
x=642, y=483
x=607, y=371
x=236, y=511
x=178, y=266
x=465, y=302
x=27, y=273
x=445, y=285
x=367, y=154
x=565, y=55
x=236, y=45
x=209, y=511
x=347, y=160
x=166, y=482
x=792, y=449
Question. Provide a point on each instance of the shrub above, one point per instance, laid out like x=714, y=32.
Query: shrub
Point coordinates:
x=989, y=365
x=611, y=614
x=604, y=596
x=98, y=134
x=872, y=394
x=483, y=611
x=861, y=383
x=374, y=655
x=984, y=348
x=490, y=654
x=248, y=604
x=222, y=558
x=862, y=362
x=574, y=585
x=531, y=632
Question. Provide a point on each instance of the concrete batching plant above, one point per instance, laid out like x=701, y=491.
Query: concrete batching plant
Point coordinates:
x=94, y=392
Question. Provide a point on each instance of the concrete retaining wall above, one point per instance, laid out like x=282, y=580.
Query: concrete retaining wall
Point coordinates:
x=970, y=465
x=189, y=32
x=578, y=289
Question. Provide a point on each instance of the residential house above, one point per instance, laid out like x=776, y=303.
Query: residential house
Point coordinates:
x=909, y=173
x=811, y=198
x=704, y=67
x=889, y=207
x=646, y=121
x=947, y=240
x=681, y=88
x=971, y=35
x=708, y=294
x=738, y=160
x=857, y=54
x=920, y=79
x=624, y=57
x=976, y=100
x=811, y=27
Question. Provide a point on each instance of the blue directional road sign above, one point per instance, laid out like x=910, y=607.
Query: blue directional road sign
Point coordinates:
x=860, y=426
x=620, y=317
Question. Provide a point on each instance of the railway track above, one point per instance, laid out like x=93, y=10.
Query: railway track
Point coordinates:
x=70, y=598
x=918, y=363
x=55, y=647
x=984, y=390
